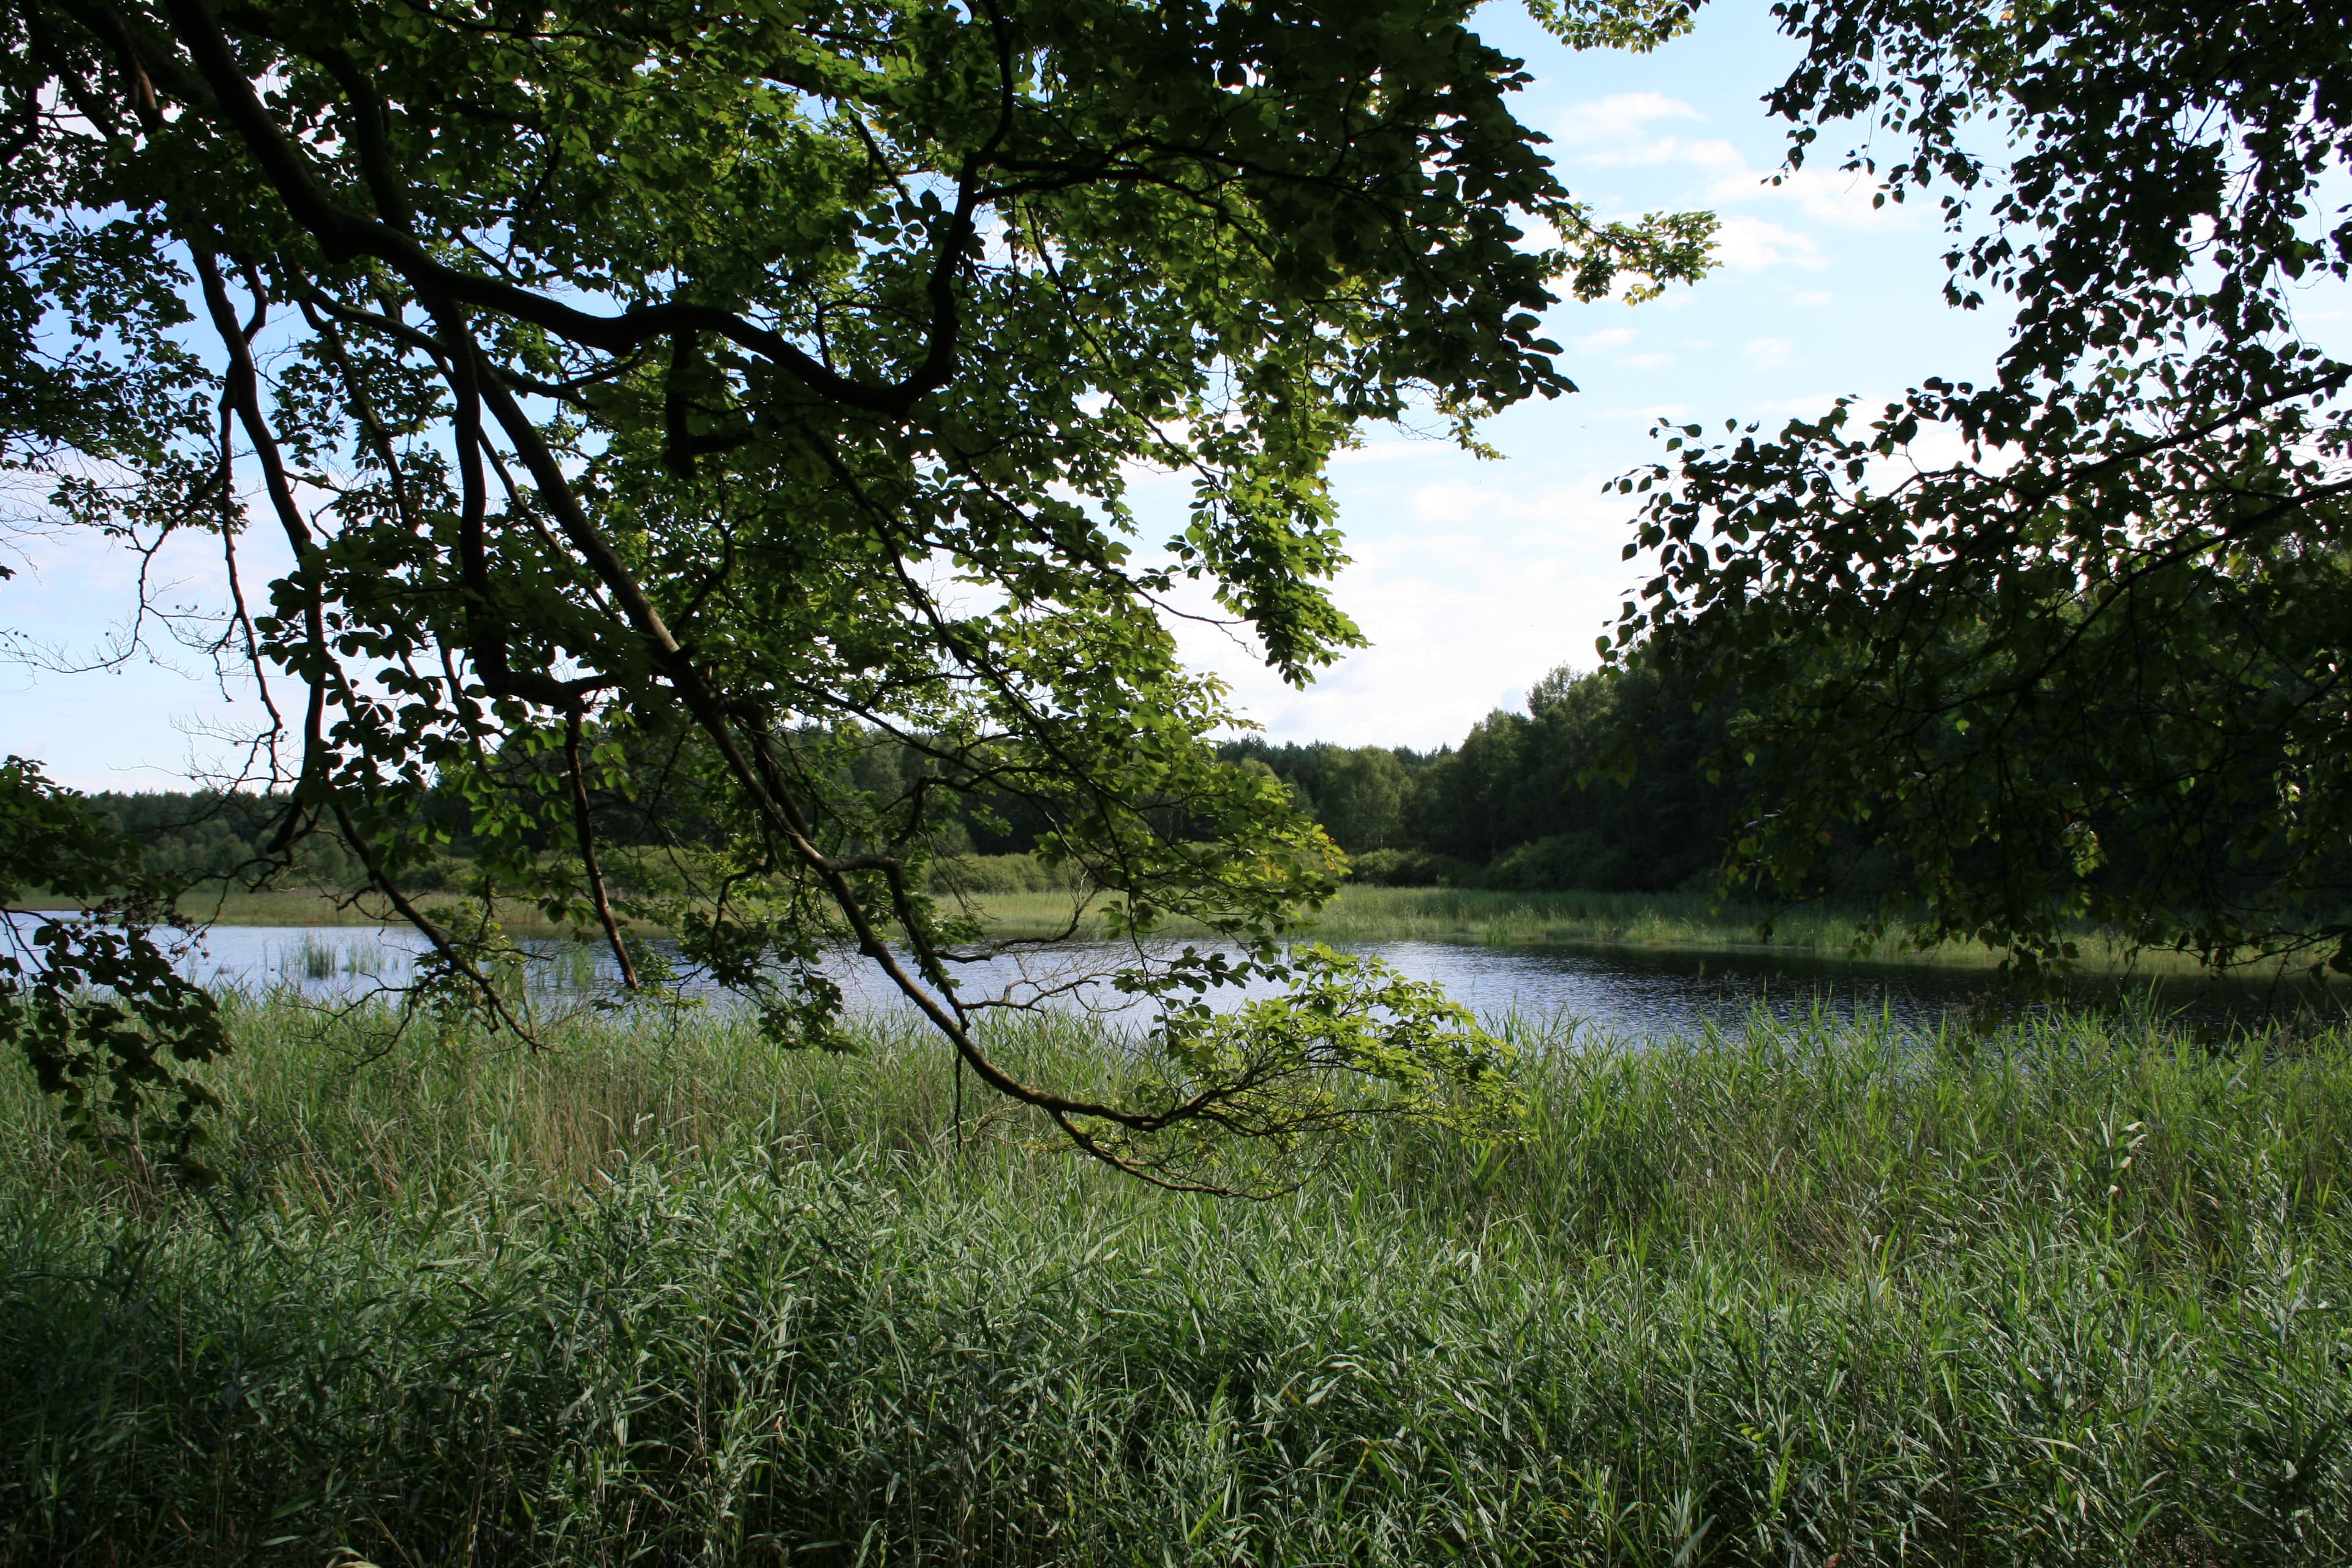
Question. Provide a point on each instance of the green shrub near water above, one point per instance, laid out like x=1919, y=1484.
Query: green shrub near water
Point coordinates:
x=1023, y=873
x=657, y=1295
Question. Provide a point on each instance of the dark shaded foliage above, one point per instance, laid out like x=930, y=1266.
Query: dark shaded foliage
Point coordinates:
x=1603, y=784
x=2069, y=647
x=91, y=993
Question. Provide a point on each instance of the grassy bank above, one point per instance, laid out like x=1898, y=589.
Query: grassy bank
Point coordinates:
x=660, y=1295
x=1360, y=914
x=1663, y=921
x=1675, y=922
x=1686, y=922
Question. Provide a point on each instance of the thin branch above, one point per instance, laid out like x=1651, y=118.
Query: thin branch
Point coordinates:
x=584, y=826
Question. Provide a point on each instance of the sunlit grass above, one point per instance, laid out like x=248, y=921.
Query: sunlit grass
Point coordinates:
x=1665, y=922
x=658, y=1293
x=1662, y=921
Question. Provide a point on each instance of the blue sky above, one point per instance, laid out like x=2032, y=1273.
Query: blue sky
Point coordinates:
x=1472, y=577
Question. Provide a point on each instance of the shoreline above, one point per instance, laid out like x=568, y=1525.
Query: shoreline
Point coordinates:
x=1567, y=921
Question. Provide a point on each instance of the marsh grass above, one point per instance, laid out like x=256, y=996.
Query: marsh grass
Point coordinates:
x=1663, y=921
x=1499, y=918
x=1668, y=921
x=314, y=959
x=659, y=1294
x=1362, y=913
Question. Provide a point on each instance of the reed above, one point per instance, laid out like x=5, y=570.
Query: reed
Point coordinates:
x=2073, y=1293
x=1363, y=914
x=1666, y=921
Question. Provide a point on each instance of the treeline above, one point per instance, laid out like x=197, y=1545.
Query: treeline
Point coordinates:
x=1540, y=799
x=1600, y=784
x=215, y=833
x=227, y=836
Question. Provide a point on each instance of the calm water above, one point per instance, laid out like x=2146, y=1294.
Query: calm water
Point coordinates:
x=1618, y=990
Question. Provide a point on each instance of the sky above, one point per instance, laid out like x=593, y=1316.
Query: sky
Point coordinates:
x=1473, y=578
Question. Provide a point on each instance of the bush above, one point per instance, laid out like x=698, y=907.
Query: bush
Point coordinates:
x=985, y=874
x=1411, y=868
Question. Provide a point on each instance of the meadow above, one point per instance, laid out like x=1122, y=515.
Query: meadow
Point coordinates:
x=656, y=1293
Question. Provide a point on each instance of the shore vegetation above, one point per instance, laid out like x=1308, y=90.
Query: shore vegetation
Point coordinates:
x=2071, y=1293
x=1012, y=898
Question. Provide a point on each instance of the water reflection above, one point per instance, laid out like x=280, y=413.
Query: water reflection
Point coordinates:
x=1637, y=992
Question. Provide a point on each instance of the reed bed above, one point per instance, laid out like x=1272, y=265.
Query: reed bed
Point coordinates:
x=1660, y=922
x=1364, y=913
x=1360, y=912
x=1506, y=918
x=1802, y=1294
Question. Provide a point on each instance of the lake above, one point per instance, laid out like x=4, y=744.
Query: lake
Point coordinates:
x=1634, y=991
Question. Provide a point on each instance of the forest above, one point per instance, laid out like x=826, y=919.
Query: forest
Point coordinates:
x=1605, y=783
x=1602, y=784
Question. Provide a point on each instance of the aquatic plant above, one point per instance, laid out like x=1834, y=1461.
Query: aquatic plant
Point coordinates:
x=2072, y=1292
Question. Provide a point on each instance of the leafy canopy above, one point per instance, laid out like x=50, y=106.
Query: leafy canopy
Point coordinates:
x=651, y=406
x=99, y=1002
x=2072, y=644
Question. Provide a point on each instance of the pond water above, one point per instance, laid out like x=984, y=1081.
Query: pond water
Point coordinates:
x=1618, y=990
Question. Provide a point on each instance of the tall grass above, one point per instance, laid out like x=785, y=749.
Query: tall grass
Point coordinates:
x=1511, y=919
x=1503, y=918
x=1495, y=917
x=1364, y=913
x=661, y=1295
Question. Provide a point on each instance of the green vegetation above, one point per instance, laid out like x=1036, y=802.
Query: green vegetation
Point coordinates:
x=1601, y=785
x=2063, y=637
x=1532, y=802
x=610, y=382
x=1510, y=919
x=1359, y=912
x=1695, y=922
x=1502, y=917
x=615, y=380
x=1529, y=802
x=103, y=1015
x=1009, y=904
x=667, y=1294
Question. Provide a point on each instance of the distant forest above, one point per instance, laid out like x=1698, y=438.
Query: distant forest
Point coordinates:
x=1540, y=799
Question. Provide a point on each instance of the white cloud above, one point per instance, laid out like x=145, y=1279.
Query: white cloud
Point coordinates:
x=1629, y=130
x=1621, y=117
x=1472, y=590
x=1485, y=584
x=1825, y=195
x=1607, y=338
x=1812, y=298
x=1647, y=362
x=1746, y=243
x=1403, y=451
x=1766, y=352
x=1710, y=153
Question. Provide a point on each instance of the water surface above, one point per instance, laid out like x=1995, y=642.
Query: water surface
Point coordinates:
x=1640, y=992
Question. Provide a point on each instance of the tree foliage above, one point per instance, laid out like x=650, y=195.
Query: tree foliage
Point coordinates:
x=94, y=997
x=2070, y=645
x=734, y=388
x=1602, y=784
